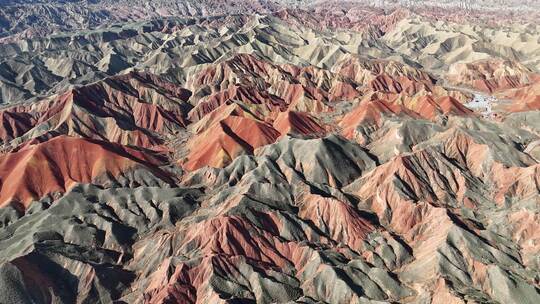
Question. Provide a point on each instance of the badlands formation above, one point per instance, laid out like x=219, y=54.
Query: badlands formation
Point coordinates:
x=269, y=152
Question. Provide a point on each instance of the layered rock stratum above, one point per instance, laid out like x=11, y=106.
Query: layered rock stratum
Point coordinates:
x=269, y=152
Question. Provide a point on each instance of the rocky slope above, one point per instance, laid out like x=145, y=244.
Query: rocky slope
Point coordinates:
x=289, y=156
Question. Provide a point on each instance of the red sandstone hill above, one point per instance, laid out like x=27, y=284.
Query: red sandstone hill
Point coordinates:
x=372, y=113
x=293, y=122
x=59, y=163
x=230, y=131
x=228, y=138
x=250, y=96
x=429, y=108
x=525, y=98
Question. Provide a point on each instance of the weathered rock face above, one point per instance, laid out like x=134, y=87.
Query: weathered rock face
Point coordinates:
x=316, y=152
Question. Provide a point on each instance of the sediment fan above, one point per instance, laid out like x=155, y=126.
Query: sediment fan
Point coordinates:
x=269, y=152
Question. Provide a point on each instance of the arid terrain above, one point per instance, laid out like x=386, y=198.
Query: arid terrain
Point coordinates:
x=269, y=151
